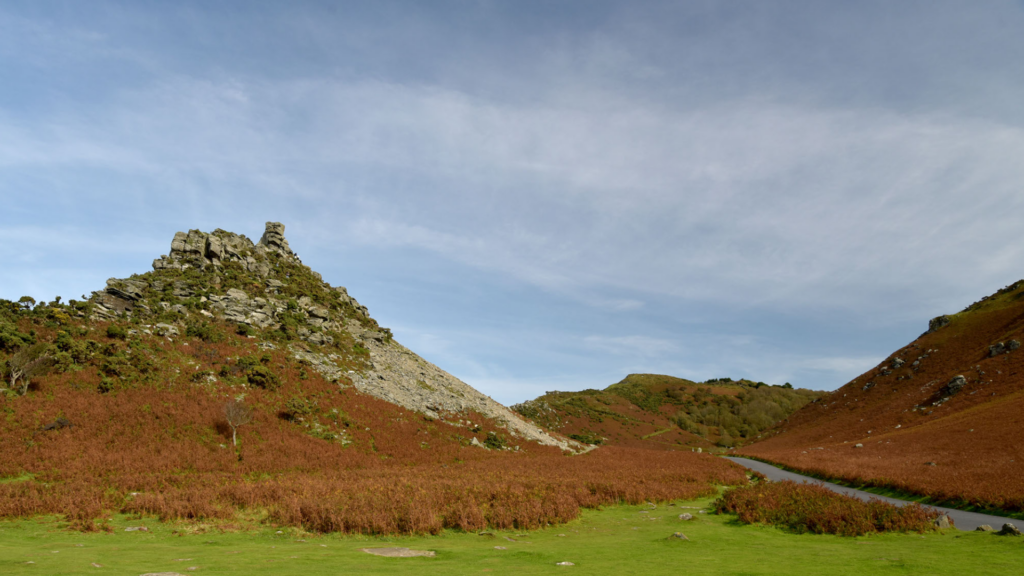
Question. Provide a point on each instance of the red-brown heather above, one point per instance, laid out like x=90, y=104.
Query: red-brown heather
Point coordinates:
x=814, y=508
x=968, y=449
x=162, y=446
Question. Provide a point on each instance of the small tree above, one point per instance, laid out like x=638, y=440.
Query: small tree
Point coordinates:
x=237, y=415
x=27, y=363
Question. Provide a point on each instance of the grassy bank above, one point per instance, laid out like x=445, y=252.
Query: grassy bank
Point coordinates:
x=615, y=540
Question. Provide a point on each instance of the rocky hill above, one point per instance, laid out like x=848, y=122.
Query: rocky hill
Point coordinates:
x=939, y=417
x=666, y=413
x=263, y=291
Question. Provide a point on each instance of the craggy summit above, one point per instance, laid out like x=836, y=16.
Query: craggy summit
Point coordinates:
x=266, y=290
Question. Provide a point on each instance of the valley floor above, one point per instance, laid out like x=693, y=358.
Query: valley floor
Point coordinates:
x=614, y=540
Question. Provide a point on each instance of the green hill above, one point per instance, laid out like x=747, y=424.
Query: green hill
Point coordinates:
x=668, y=413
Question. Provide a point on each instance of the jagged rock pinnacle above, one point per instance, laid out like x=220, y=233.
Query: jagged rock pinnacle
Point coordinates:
x=273, y=237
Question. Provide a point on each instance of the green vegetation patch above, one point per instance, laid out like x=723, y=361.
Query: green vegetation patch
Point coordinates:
x=616, y=540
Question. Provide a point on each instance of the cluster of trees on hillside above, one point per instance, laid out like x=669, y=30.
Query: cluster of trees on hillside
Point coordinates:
x=741, y=417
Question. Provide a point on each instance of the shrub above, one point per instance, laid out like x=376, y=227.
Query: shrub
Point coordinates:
x=297, y=407
x=116, y=332
x=814, y=508
x=263, y=377
x=494, y=442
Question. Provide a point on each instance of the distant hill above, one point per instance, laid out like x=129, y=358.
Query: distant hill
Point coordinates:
x=940, y=417
x=667, y=413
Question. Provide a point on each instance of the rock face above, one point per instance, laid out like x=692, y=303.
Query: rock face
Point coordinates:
x=401, y=377
x=264, y=288
x=938, y=322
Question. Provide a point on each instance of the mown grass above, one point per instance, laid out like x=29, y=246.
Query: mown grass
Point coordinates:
x=614, y=540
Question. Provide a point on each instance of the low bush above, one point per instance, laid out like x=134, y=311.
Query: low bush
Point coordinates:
x=814, y=508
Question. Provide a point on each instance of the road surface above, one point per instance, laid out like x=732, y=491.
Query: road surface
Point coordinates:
x=962, y=520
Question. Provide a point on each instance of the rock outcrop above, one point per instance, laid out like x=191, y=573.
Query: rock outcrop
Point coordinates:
x=264, y=288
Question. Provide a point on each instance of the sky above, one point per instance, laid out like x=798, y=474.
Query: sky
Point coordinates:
x=539, y=195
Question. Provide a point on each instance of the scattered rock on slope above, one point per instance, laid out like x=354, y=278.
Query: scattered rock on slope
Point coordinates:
x=264, y=287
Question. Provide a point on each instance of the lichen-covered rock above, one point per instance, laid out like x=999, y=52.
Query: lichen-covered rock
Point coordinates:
x=937, y=323
x=956, y=385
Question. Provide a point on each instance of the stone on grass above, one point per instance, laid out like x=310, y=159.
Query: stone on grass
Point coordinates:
x=942, y=522
x=163, y=574
x=136, y=529
x=564, y=564
x=985, y=528
x=680, y=536
x=397, y=552
x=1009, y=530
x=686, y=516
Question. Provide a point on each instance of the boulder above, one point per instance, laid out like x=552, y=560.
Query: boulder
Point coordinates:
x=686, y=516
x=397, y=552
x=943, y=522
x=868, y=386
x=679, y=536
x=165, y=330
x=985, y=528
x=1009, y=530
x=996, y=349
x=897, y=362
x=937, y=323
x=1012, y=345
x=956, y=385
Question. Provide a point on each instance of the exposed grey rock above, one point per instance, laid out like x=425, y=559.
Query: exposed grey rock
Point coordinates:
x=1012, y=345
x=136, y=529
x=686, y=516
x=564, y=564
x=858, y=445
x=273, y=238
x=943, y=522
x=996, y=349
x=397, y=552
x=165, y=330
x=937, y=323
x=897, y=362
x=985, y=528
x=868, y=386
x=956, y=385
x=1009, y=530
x=401, y=377
x=679, y=535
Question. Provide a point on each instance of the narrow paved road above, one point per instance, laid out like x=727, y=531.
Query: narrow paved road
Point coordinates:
x=962, y=520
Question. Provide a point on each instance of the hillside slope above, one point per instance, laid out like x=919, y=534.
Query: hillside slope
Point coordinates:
x=660, y=412
x=132, y=401
x=939, y=417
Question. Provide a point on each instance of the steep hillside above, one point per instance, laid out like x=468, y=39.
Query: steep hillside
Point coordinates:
x=232, y=385
x=939, y=417
x=666, y=413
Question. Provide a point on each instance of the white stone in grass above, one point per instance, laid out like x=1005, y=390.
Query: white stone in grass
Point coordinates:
x=564, y=564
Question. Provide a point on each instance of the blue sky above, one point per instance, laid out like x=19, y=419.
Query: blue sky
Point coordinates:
x=539, y=195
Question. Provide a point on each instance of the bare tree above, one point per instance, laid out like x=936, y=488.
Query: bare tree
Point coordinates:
x=237, y=415
x=27, y=363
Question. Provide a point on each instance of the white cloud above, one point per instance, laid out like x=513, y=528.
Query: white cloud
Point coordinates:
x=642, y=346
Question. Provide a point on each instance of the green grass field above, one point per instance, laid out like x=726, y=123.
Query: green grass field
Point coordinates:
x=616, y=540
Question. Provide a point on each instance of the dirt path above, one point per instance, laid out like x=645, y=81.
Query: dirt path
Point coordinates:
x=962, y=520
